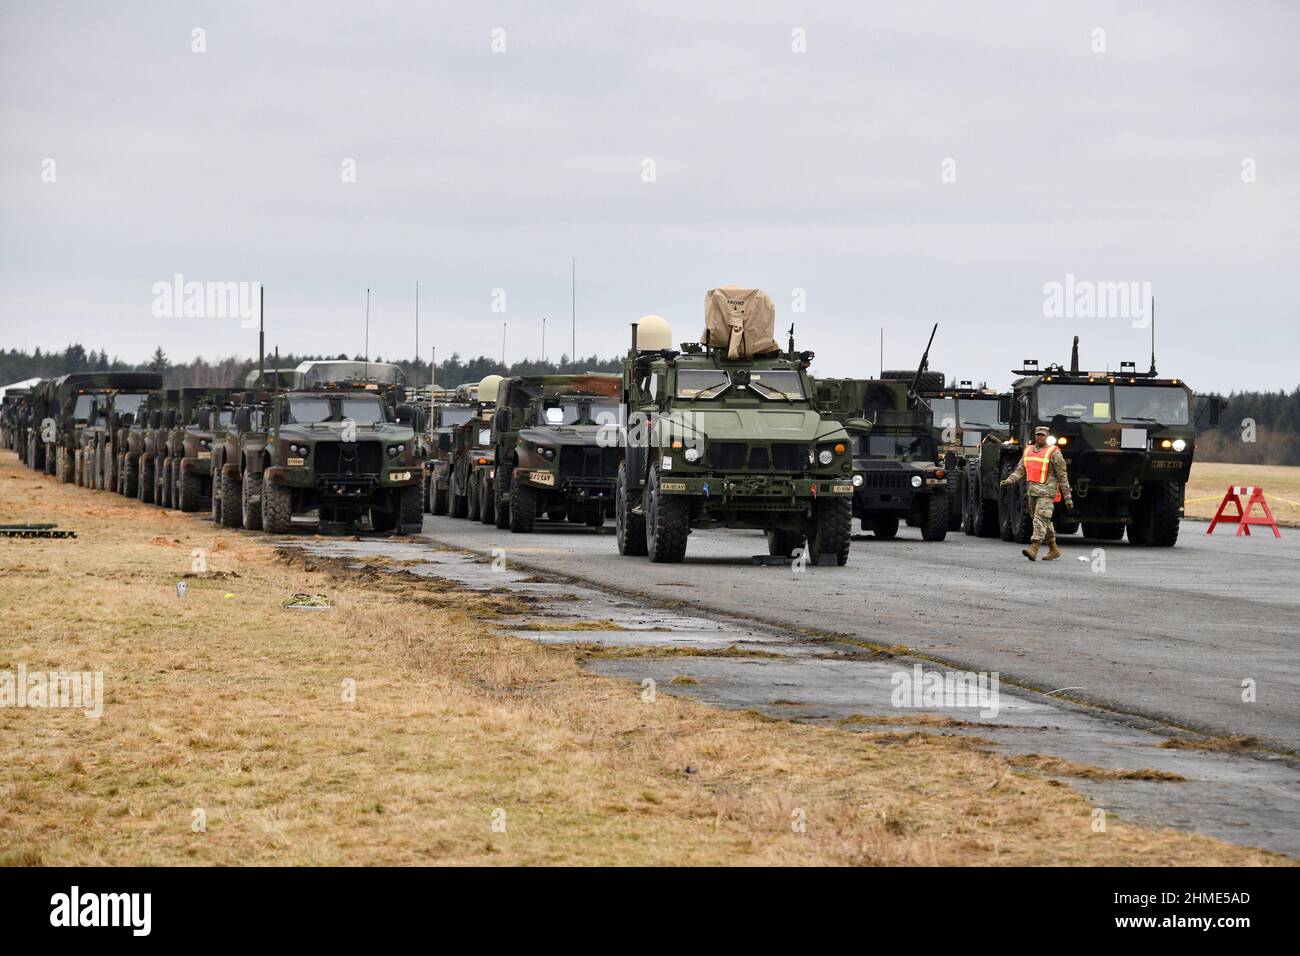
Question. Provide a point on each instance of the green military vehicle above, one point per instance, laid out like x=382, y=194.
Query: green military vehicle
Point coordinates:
x=158, y=447
x=966, y=418
x=724, y=433
x=340, y=443
x=1128, y=438
x=134, y=431
x=445, y=418
x=43, y=428
x=75, y=410
x=465, y=473
x=189, y=445
x=244, y=423
x=895, y=476
x=99, y=438
x=548, y=454
x=15, y=418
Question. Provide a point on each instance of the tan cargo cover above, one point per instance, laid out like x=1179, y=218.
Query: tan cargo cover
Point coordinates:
x=741, y=320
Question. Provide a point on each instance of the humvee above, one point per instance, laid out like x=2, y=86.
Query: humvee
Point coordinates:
x=1128, y=438
x=548, y=453
x=340, y=443
x=724, y=433
x=895, y=476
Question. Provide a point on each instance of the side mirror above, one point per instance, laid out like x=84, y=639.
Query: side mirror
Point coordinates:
x=1004, y=408
x=857, y=425
x=205, y=419
x=444, y=441
x=244, y=419
x=503, y=420
x=405, y=414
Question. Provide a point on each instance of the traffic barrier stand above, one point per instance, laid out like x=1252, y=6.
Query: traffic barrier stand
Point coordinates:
x=1243, y=519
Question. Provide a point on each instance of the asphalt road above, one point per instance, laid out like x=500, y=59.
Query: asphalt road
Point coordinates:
x=1168, y=634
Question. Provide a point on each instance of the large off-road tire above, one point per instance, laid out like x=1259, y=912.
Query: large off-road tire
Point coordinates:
x=1103, y=532
x=145, y=483
x=163, y=496
x=459, y=505
x=277, y=507
x=595, y=519
x=1156, y=522
x=886, y=527
x=629, y=528
x=832, y=530
x=410, y=513
x=424, y=495
x=130, y=476
x=250, y=510
x=500, y=489
x=472, y=503
x=487, y=505
x=782, y=543
x=78, y=468
x=232, y=497
x=438, y=503
x=957, y=504
x=64, y=466
x=935, y=525
x=523, y=509
x=214, y=502
x=930, y=381
x=667, y=522
x=983, y=510
x=1015, y=517
x=189, y=491
x=1063, y=524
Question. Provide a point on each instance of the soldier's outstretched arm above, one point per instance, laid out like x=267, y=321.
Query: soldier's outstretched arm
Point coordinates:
x=1017, y=475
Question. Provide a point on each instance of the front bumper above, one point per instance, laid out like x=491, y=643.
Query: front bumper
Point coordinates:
x=769, y=488
x=570, y=487
x=346, y=485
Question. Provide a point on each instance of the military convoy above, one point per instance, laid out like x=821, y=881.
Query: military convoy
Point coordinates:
x=731, y=431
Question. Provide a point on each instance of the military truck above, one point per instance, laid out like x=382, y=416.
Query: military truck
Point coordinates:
x=966, y=418
x=43, y=428
x=463, y=477
x=445, y=417
x=548, y=450
x=189, y=445
x=340, y=443
x=75, y=410
x=246, y=423
x=724, y=433
x=15, y=417
x=135, y=432
x=1128, y=439
x=895, y=476
x=158, y=446
x=99, y=447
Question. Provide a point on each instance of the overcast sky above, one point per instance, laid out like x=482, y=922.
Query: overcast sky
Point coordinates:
x=1118, y=156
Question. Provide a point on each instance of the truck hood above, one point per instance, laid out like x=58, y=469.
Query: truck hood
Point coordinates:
x=561, y=434
x=333, y=431
x=754, y=424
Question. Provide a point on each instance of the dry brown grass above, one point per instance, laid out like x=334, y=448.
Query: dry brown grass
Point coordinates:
x=1070, y=768
x=1210, y=479
x=234, y=706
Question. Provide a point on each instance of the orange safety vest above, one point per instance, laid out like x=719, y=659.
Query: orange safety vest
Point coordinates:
x=1038, y=466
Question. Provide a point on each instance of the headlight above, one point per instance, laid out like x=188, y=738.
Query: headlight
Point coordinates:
x=545, y=452
x=691, y=454
x=857, y=481
x=1051, y=439
x=825, y=456
x=1063, y=440
x=394, y=450
x=1179, y=444
x=916, y=481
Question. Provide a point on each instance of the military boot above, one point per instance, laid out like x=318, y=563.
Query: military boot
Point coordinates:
x=1053, y=552
x=1031, y=552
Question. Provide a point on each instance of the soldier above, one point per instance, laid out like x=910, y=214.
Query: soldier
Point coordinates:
x=1043, y=469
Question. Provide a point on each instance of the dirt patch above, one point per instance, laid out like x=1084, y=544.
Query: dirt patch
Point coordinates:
x=1211, y=743
x=1069, y=768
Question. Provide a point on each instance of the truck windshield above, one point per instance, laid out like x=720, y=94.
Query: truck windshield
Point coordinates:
x=127, y=403
x=772, y=383
x=904, y=447
x=977, y=413
x=585, y=412
x=1080, y=403
x=701, y=383
x=1151, y=404
x=452, y=416
x=314, y=409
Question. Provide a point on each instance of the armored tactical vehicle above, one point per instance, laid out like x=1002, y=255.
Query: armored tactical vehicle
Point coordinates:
x=549, y=451
x=966, y=418
x=99, y=447
x=894, y=472
x=1128, y=438
x=75, y=404
x=445, y=417
x=17, y=412
x=464, y=476
x=340, y=443
x=189, y=446
x=724, y=433
x=246, y=424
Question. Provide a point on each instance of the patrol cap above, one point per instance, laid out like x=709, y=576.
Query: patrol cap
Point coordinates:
x=1042, y=430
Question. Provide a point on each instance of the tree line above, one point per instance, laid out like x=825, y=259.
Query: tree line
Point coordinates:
x=1257, y=428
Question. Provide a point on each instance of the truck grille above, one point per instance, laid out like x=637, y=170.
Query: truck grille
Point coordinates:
x=577, y=461
x=886, y=479
x=726, y=455
x=338, y=458
x=733, y=456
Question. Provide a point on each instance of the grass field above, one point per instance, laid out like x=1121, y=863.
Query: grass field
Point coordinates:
x=228, y=735
x=1281, y=484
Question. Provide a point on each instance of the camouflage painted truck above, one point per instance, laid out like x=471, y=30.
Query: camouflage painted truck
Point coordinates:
x=895, y=476
x=247, y=420
x=966, y=418
x=1128, y=439
x=202, y=410
x=724, y=433
x=135, y=437
x=99, y=445
x=445, y=417
x=42, y=428
x=471, y=462
x=341, y=443
x=550, y=452
x=77, y=409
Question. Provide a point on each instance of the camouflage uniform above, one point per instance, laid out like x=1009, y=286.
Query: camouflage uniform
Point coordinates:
x=1042, y=494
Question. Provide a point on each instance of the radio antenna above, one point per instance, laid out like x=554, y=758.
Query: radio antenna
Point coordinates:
x=367, y=335
x=1153, y=335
